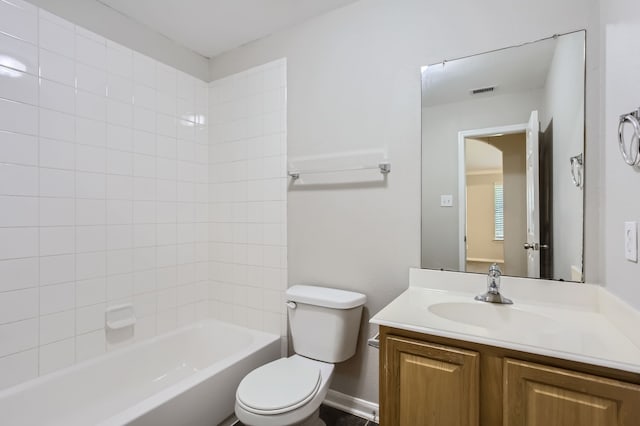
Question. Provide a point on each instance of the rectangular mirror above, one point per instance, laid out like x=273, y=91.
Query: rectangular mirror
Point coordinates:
x=502, y=160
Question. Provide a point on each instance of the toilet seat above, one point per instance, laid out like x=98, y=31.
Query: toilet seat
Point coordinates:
x=279, y=387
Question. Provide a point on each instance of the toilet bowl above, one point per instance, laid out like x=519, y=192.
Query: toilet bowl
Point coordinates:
x=284, y=392
x=324, y=325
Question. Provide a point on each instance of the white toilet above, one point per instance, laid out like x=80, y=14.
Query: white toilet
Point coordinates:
x=324, y=330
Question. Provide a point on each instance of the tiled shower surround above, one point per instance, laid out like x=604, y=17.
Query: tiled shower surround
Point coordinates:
x=248, y=187
x=105, y=166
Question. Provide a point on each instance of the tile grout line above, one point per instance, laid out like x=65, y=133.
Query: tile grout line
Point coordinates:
x=38, y=369
x=75, y=203
x=105, y=95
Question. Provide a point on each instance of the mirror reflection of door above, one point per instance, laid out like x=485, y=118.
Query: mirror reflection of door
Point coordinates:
x=496, y=203
x=532, y=245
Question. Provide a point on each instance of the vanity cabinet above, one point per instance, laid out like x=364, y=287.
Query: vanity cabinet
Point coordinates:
x=432, y=384
x=538, y=395
x=429, y=380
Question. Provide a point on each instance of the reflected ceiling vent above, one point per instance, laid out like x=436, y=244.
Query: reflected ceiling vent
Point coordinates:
x=480, y=90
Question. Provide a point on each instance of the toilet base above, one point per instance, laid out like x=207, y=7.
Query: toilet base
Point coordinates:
x=313, y=420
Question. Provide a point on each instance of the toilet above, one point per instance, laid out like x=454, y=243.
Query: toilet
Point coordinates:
x=324, y=330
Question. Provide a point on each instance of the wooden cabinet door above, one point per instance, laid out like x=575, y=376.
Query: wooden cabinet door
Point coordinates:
x=428, y=385
x=537, y=395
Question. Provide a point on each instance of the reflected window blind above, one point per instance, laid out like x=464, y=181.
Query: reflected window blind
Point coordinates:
x=498, y=204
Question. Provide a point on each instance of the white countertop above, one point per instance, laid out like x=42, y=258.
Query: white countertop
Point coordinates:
x=578, y=322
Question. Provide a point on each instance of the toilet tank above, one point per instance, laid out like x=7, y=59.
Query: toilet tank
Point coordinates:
x=324, y=322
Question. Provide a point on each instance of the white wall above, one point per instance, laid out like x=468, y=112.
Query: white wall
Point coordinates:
x=248, y=217
x=354, y=83
x=622, y=87
x=563, y=103
x=115, y=26
x=103, y=193
x=481, y=242
x=440, y=127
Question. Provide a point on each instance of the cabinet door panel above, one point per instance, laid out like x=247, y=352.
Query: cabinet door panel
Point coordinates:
x=429, y=384
x=537, y=395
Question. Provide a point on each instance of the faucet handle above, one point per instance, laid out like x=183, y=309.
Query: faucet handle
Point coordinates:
x=494, y=270
x=493, y=279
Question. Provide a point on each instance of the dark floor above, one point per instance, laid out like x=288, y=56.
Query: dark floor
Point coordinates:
x=335, y=417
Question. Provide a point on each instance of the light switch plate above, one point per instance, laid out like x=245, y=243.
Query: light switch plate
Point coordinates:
x=631, y=241
x=446, y=201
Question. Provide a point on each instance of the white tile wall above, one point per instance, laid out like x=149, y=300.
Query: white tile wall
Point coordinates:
x=248, y=188
x=103, y=192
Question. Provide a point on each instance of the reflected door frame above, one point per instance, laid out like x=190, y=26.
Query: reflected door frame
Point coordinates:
x=462, y=179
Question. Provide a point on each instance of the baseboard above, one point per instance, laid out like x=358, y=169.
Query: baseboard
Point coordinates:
x=229, y=421
x=356, y=406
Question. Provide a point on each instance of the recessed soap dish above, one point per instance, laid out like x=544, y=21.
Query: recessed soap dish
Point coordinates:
x=120, y=316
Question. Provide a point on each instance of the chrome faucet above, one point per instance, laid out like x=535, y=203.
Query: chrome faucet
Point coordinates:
x=493, y=287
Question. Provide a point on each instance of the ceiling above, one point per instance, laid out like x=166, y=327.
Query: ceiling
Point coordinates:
x=510, y=70
x=482, y=156
x=211, y=27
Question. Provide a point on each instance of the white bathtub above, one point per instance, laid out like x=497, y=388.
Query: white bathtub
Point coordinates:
x=187, y=377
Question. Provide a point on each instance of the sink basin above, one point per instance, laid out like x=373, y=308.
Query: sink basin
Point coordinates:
x=490, y=315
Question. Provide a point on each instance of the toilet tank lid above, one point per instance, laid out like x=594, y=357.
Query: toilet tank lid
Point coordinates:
x=325, y=297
